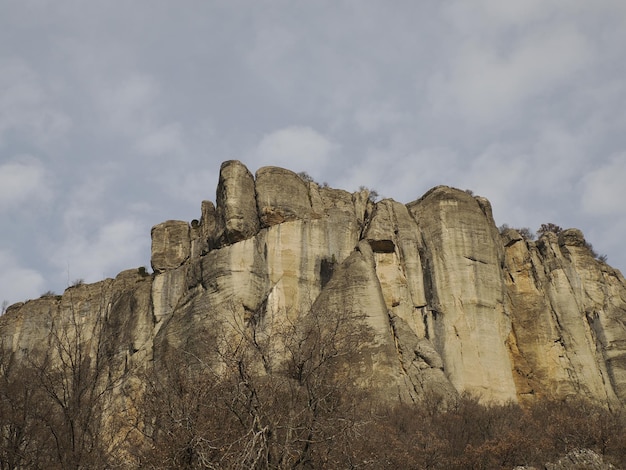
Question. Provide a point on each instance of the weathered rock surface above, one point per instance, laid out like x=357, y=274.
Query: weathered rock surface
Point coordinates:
x=171, y=245
x=124, y=303
x=440, y=300
x=580, y=459
x=281, y=196
x=237, y=217
x=466, y=319
x=567, y=310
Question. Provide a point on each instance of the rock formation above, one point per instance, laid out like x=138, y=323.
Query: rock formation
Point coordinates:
x=443, y=302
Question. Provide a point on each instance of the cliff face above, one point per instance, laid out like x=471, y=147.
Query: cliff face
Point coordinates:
x=568, y=319
x=440, y=300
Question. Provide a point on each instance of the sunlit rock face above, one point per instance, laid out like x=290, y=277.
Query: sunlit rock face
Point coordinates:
x=438, y=300
x=171, y=245
x=465, y=297
x=237, y=216
x=281, y=196
x=568, y=313
x=120, y=308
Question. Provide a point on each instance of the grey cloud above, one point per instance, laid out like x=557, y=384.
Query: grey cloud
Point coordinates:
x=23, y=183
x=120, y=242
x=298, y=147
x=130, y=108
x=26, y=107
x=18, y=282
x=485, y=87
x=604, y=191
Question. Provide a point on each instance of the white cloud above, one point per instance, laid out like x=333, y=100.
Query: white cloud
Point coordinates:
x=272, y=46
x=116, y=245
x=403, y=177
x=298, y=148
x=85, y=202
x=18, y=283
x=22, y=181
x=198, y=185
x=27, y=107
x=378, y=116
x=522, y=97
x=126, y=106
x=514, y=12
x=166, y=140
x=604, y=189
x=545, y=167
x=485, y=84
x=467, y=17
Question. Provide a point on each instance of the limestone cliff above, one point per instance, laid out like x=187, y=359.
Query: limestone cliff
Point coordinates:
x=443, y=302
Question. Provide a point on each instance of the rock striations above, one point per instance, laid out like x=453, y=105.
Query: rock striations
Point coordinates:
x=442, y=302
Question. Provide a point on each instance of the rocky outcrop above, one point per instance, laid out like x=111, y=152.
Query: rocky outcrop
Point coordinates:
x=237, y=217
x=117, y=310
x=567, y=311
x=466, y=317
x=281, y=196
x=438, y=301
x=577, y=459
x=171, y=245
x=395, y=239
x=580, y=459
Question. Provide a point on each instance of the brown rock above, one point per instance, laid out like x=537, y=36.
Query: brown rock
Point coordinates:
x=467, y=322
x=171, y=245
x=236, y=204
x=281, y=196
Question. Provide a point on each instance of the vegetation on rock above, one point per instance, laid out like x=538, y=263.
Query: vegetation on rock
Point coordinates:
x=549, y=227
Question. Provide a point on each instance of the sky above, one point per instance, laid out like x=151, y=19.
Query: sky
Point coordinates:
x=116, y=115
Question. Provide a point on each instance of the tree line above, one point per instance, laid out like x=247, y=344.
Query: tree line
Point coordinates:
x=261, y=393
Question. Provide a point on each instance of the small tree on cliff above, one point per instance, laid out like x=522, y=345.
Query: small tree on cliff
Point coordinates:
x=549, y=227
x=524, y=232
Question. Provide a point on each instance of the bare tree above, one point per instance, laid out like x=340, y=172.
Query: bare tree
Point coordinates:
x=182, y=420
x=21, y=435
x=268, y=393
x=549, y=227
x=76, y=376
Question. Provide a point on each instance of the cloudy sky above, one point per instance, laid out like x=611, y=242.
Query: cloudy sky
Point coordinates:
x=116, y=115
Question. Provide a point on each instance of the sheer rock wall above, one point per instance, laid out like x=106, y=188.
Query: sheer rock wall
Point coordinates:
x=445, y=302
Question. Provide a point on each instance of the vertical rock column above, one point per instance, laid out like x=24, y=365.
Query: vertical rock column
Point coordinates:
x=237, y=215
x=466, y=291
x=604, y=302
x=171, y=248
x=541, y=364
x=567, y=322
x=393, y=235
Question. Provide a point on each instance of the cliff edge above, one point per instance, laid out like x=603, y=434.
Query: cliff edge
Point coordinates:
x=441, y=301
